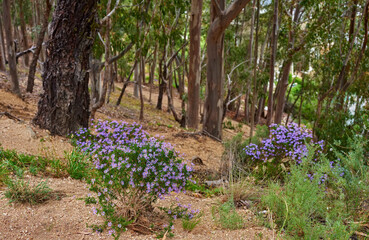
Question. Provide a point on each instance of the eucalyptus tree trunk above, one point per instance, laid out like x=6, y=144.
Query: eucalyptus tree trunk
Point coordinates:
x=152, y=70
x=254, y=75
x=194, y=75
x=249, y=63
x=36, y=54
x=272, y=63
x=283, y=84
x=64, y=105
x=220, y=20
x=24, y=31
x=2, y=47
x=11, y=48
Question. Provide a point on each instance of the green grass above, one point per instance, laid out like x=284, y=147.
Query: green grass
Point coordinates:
x=189, y=224
x=77, y=165
x=20, y=191
x=226, y=216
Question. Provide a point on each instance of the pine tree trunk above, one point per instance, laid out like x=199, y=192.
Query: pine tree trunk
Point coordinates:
x=64, y=105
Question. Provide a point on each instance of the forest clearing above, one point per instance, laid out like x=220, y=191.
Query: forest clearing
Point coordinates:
x=159, y=119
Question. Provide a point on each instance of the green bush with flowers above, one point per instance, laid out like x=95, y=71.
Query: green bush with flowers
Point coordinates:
x=132, y=170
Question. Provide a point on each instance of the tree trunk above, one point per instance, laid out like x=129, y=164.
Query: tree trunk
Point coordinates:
x=64, y=106
x=36, y=54
x=254, y=75
x=220, y=20
x=281, y=97
x=24, y=31
x=141, y=81
x=11, y=49
x=194, y=75
x=2, y=47
x=272, y=63
x=152, y=70
x=136, y=80
x=249, y=64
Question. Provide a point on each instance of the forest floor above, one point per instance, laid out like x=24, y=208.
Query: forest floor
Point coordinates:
x=67, y=216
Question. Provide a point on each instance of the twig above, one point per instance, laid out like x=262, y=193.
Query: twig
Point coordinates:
x=10, y=116
x=206, y=133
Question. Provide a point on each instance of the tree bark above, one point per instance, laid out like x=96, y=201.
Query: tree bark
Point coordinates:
x=249, y=63
x=2, y=47
x=36, y=54
x=254, y=75
x=24, y=31
x=64, y=105
x=272, y=63
x=11, y=49
x=220, y=20
x=194, y=75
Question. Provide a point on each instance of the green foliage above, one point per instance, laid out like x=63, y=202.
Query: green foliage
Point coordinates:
x=227, y=217
x=77, y=164
x=189, y=224
x=203, y=189
x=21, y=192
x=320, y=199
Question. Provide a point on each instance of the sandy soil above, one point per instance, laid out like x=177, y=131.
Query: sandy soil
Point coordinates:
x=66, y=216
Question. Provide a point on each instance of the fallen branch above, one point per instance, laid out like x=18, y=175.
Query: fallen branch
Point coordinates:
x=11, y=116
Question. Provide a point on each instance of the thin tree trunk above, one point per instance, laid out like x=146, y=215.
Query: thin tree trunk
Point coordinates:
x=11, y=49
x=249, y=63
x=194, y=75
x=24, y=31
x=152, y=70
x=141, y=81
x=126, y=84
x=272, y=63
x=255, y=93
x=36, y=54
x=2, y=47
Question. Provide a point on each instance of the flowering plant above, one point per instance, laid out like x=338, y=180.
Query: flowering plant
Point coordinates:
x=284, y=143
x=133, y=170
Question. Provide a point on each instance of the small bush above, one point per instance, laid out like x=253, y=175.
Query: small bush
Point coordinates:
x=21, y=192
x=227, y=217
x=189, y=224
x=77, y=165
x=314, y=202
x=132, y=171
x=284, y=144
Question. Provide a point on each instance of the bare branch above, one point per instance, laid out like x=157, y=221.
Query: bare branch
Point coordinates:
x=217, y=7
x=111, y=13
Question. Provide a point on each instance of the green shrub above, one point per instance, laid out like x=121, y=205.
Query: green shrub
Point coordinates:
x=77, y=164
x=132, y=171
x=20, y=191
x=227, y=217
x=312, y=202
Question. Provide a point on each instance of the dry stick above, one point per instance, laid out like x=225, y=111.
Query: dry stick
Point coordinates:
x=7, y=114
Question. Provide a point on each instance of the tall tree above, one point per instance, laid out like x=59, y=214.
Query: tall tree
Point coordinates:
x=194, y=75
x=36, y=54
x=64, y=105
x=11, y=48
x=272, y=63
x=23, y=30
x=220, y=20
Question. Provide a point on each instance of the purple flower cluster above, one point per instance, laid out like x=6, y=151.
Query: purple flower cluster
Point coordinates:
x=131, y=164
x=283, y=142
